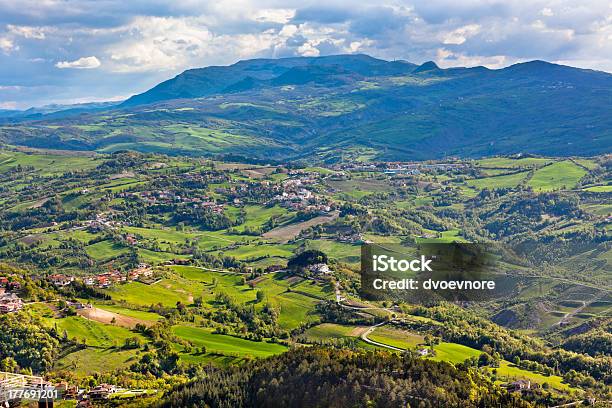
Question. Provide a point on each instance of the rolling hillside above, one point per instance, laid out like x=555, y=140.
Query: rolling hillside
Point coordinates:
x=349, y=106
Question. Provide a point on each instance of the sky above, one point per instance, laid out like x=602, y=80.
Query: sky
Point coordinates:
x=75, y=51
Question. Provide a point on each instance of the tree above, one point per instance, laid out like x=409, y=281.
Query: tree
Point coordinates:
x=306, y=258
x=132, y=343
x=9, y=364
x=485, y=360
x=260, y=296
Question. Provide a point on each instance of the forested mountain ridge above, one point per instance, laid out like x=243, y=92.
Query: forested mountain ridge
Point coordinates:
x=345, y=106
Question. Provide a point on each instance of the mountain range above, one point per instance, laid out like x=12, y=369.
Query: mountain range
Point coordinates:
x=333, y=107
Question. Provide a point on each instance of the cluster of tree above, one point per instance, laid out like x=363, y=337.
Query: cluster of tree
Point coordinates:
x=25, y=340
x=595, y=343
x=315, y=377
x=332, y=312
x=519, y=213
x=307, y=258
x=39, y=217
x=259, y=323
x=203, y=218
x=465, y=327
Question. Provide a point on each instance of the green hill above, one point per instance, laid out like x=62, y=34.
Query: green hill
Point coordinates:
x=343, y=106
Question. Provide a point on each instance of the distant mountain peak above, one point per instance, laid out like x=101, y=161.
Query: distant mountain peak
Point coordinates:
x=427, y=66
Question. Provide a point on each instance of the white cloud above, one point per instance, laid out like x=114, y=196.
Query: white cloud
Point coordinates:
x=160, y=43
x=309, y=49
x=154, y=44
x=281, y=16
x=446, y=59
x=81, y=63
x=160, y=39
x=547, y=12
x=37, y=33
x=7, y=45
x=461, y=34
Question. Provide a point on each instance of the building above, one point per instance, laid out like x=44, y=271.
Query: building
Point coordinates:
x=61, y=280
x=142, y=270
x=520, y=385
x=320, y=268
x=10, y=302
x=102, y=391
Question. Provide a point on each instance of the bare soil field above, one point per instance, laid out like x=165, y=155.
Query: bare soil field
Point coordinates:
x=104, y=316
x=286, y=233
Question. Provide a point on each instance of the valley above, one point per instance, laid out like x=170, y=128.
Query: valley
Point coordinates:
x=143, y=269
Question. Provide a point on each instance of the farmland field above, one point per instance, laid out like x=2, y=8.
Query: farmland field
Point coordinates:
x=333, y=331
x=510, y=372
x=453, y=352
x=220, y=277
x=341, y=251
x=600, y=189
x=503, y=162
x=288, y=232
x=397, y=338
x=93, y=333
x=228, y=345
x=564, y=174
x=505, y=181
x=90, y=361
x=167, y=292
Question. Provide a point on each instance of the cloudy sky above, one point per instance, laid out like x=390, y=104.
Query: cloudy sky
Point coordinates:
x=71, y=51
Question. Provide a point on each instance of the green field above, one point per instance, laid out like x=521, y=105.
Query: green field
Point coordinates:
x=450, y=352
x=357, y=188
x=296, y=305
x=330, y=331
x=257, y=216
x=105, y=250
x=505, y=181
x=228, y=345
x=340, y=251
x=558, y=175
x=95, y=334
x=90, y=361
x=509, y=372
x=205, y=240
x=46, y=164
x=600, y=189
x=396, y=338
x=454, y=353
x=445, y=236
x=506, y=163
x=246, y=252
x=137, y=314
x=167, y=292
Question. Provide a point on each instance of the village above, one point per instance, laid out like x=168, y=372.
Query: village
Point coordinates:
x=413, y=168
x=143, y=272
